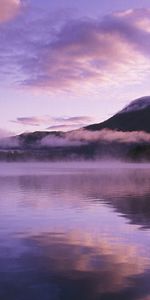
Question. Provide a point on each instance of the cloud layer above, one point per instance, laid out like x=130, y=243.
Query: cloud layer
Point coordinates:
x=107, y=135
x=55, y=123
x=78, y=53
x=83, y=137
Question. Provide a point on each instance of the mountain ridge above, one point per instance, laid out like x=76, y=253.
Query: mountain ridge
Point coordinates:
x=134, y=117
x=124, y=136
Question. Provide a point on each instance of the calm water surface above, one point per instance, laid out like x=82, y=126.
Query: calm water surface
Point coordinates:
x=74, y=231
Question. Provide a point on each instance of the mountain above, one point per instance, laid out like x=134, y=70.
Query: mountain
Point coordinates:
x=87, y=144
x=134, y=117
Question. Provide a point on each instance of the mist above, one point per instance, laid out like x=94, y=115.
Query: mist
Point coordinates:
x=109, y=136
x=82, y=136
x=78, y=137
x=53, y=141
x=9, y=142
x=77, y=145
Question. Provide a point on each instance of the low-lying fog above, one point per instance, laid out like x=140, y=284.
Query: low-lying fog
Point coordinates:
x=81, y=137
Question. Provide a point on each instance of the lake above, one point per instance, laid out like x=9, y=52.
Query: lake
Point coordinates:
x=74, y=231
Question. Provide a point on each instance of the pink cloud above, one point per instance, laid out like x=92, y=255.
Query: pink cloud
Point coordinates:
x=9, y=9
x=83, y=137
x=80, y=54
x=92, y=52
x=55, y=123
x=54, y=141
x=33, y=120
x=65, y=127
x=109, y=136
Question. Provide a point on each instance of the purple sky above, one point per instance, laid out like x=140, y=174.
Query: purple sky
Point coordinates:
x=66, y=65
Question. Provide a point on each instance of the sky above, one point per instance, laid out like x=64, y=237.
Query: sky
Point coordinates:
x=65, y=64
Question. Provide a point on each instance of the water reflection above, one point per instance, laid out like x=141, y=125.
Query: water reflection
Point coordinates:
x=75, y=235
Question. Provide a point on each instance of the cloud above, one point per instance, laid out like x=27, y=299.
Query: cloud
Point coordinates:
x=70, y=123
x=54, y=141
x=9, y=9
x=57, y=123
x=65, y=127
x=92, y=51
x=74, y=120
x=83, y=137
x=73, y=136
x=33, y=120
x=9, y=143
x=82, y=53
x=107, y=135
